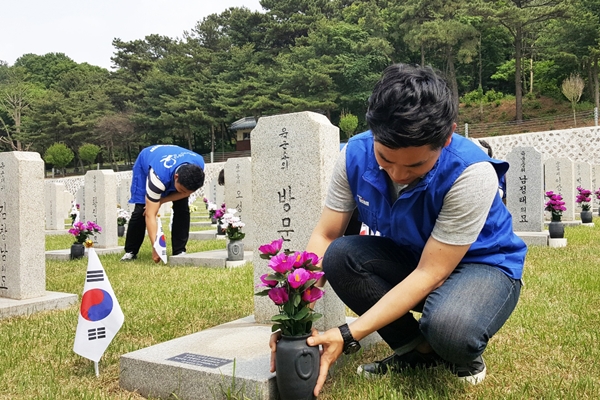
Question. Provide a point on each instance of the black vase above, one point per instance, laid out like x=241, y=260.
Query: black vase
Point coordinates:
x=77, y=251
x=297, y=366
x=220, y=231
x=120, y=230
x=586, y=217
x=556, y=230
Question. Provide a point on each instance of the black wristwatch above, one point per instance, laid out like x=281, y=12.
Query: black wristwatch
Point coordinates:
x=351, y=345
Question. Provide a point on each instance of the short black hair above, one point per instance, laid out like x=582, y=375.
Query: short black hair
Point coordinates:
x=190, y=176
x=221, y=178
x=411, y=106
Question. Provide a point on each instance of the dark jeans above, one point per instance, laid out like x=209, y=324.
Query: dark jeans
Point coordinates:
x=458, y=318
x=180, y=231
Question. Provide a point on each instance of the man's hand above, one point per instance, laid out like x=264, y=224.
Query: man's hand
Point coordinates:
x=155, y=256
x=273, y=345
x=333, y=344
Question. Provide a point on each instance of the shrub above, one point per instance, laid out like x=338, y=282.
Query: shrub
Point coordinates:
x=59, y=155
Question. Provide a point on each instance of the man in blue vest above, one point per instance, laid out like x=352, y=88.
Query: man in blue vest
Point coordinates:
x=162, y=173
x=443, y=244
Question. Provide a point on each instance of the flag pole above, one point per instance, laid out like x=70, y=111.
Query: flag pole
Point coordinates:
x=96, y=368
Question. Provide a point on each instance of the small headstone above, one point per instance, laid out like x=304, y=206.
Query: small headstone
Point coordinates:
x=216, y=192
x=583, y=178
x=124, y=194
x=559, y=177
x=101, y=205
x=54, y=200
x=525, y=189
x=238, y=193
x=292, y=163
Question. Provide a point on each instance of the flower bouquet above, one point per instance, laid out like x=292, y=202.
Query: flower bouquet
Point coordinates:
x=291, y=286
x=555, y=205
x=122, y=216
x=232, y=225
x=584, y=198
x=83, y=231
x=74, y=213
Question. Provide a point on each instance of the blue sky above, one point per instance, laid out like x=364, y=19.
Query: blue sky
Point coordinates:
x=84, y=29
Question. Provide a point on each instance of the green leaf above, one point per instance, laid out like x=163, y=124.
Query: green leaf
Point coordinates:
x=262, y=292
x=297, y=299
x=302, y=313
x=280, y=317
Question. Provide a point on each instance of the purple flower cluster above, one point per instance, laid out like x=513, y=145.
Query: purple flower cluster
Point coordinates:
x=555, y=205
x=583, y=198
x=82, y=231
x=291, y=286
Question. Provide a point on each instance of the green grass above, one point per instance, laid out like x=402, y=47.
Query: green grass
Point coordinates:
x=549, y=348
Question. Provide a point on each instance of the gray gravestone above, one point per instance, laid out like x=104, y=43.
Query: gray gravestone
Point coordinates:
x=525, y=189
x=292, y=163
x=216, y=192
x=101, y=205
x=80, y=199
x=238, y=194
x=595, y=182
x=124, y=194
x=559, y=177
x=54, y=201
x=583, y=178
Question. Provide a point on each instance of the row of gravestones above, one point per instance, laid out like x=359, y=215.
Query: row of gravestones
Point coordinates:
x=529, y=178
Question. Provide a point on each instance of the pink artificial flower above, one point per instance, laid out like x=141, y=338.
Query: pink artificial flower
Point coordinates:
x=272, y=248
x=282, y=263
x=298, y=277
x=298, y=259
x=312, y=294
x=316, y=275
x=312, y=257
x=278, y=295
x=267, y=282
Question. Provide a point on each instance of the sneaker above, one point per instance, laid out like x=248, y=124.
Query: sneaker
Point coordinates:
x=128, y=257
x=473, y=373
x=179, y=254
x=412, y=359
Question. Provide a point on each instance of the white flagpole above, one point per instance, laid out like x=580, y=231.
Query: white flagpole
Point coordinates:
x=96, y=368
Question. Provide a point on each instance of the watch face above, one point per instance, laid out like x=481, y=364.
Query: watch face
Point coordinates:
x=352, y=348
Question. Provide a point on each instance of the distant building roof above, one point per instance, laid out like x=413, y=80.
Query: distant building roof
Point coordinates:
x=243, y=123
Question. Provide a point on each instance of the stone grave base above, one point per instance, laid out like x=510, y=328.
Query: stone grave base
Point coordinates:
x=204, y=365
x=56, y=231
x=50, y=301
x=557, y=242
x=65, y=254
x=534, y=238
x=203, y=235
x=212, y=259
x=200, y=223
x=589, y=224
x=566, y=223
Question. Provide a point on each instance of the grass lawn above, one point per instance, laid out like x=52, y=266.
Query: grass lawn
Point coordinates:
x=549, y=349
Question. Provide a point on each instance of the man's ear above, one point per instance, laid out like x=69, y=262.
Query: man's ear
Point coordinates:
x=176, y=177
x=449, y=140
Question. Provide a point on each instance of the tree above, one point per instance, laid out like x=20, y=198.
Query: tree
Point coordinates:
x=520, y=17
x=88, y=153
x=59, y=155
x=15, y=100
x=572, y=88
x=348, y=123
x=117, y=131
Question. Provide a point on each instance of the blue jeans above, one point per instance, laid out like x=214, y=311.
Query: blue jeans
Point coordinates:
x=458, y=318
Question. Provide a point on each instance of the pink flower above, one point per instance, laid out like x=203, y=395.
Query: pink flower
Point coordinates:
x=312, y=294
x=316, y=275
x=282, y=263
x=267, y=282
x=278, y=295
x=272, y=248
x=298, y=277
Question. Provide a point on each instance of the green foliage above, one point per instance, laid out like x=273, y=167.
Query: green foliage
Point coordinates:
x=59, y=155
x=478, y=97
x=348, y=124
x=88, y=152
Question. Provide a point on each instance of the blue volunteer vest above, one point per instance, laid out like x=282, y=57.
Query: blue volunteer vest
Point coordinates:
x=409, y=221
x=164, y=160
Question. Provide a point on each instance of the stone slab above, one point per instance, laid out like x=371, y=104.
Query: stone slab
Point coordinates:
x=201, y=223
x=565, y=223
x=50, y=301
x=203, y=235
x=211, y=259
x=589, y=224
x=65, y=254
x=557, y=242
x=153, y=371
x=49, y=232
x=534, y=238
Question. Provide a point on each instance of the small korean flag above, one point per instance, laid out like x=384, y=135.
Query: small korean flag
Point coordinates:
x=160, y=244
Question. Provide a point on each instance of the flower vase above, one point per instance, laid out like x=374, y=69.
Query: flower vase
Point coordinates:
x=556, y=230
x=120, y=230
x=235, y=250
x=297, y=366
x=77, y=251
x=586, y=217
x=213, y=220
x=220, y=230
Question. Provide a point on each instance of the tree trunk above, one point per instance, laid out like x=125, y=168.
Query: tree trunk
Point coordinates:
x=452, y=74
x=518, y=85
x=531, y=74
x=422, y=54
x=595, y=77
x=587, y=64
